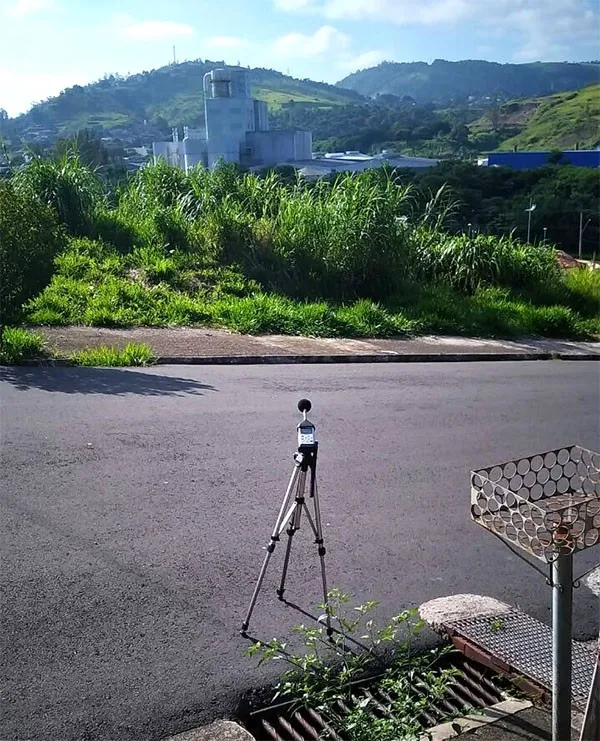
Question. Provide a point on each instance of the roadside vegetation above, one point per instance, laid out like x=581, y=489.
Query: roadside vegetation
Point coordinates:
x=20, y=344
x=363, y=255
x=132, y=355
x=325, y=673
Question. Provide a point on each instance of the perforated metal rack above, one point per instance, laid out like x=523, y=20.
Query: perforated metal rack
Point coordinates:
x=548, y=506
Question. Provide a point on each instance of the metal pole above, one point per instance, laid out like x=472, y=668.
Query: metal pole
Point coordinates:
x=529, y=223
x=580, y=233
x=562, y=609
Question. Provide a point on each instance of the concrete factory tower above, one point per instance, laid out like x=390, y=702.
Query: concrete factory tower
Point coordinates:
x=236, y=130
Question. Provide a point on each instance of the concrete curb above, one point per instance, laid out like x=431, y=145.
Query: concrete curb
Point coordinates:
x=368, y=358
x=220, y=730
x=463, y=357
x=459, y=726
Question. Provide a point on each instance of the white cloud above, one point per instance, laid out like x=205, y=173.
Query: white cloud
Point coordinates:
x=364, y=60
x=325, y=39
x=19, y=88
x=541, y=29
x=128, y=28
x=21, y=8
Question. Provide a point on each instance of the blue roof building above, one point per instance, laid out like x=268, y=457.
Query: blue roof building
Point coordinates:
x=529, y=160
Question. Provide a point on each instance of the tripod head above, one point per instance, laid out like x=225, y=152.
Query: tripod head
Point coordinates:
x=307, y=437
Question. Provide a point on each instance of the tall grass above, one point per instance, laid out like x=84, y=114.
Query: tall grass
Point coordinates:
x=19, y=345
x=67, y=186
x=360, y=254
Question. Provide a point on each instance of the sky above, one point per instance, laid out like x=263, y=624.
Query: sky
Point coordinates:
x=48, y=45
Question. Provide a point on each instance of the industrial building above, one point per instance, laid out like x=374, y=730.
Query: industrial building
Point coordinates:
x=236, y=130
x=530, y=160
x=322, y=165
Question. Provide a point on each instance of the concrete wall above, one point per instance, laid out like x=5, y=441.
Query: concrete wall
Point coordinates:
x=194, y=153
x=261, y=116
x=167, y=151
x=271, y=147
x=229, y=117
x=223, y=148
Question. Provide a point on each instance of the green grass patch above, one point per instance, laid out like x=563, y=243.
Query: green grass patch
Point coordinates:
x=133, y=354
x=19, y=345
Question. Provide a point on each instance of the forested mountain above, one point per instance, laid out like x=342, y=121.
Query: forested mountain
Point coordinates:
x=416, y=119
x=446, y=82
x=164, y=97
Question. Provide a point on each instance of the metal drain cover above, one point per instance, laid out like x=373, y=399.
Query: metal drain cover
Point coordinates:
x=525, y=644
x=473, y=687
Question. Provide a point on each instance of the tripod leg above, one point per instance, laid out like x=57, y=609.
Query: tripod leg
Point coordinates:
x=314, y=493
x=270, y=549
x=294, y=525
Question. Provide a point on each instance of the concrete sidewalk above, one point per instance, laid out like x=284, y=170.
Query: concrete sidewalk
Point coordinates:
x=201, y=345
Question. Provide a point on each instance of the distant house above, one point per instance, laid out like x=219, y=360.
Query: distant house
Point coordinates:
x=529, y=160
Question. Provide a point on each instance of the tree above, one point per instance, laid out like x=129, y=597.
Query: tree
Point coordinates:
x=29, y=239
x=494, y=116
x=555, y=157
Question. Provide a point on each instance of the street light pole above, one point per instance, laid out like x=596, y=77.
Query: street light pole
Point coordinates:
x=582, y=228
x=529, y=210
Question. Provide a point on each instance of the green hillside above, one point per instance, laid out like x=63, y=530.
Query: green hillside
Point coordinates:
x=562, y=121
x=164, y=97
x=445, y=82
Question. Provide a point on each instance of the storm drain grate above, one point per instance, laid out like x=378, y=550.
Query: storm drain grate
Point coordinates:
x=473, y=687
x=525, y=644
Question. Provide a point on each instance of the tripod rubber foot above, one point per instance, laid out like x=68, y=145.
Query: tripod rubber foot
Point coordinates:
x=280, y=593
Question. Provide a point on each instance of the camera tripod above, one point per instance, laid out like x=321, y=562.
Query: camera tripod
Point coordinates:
x=290, y=513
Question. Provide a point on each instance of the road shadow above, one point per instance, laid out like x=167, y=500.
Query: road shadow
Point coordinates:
x=110, y=381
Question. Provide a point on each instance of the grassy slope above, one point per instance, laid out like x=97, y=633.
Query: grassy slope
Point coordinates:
x=562, y=122
x=558, y=121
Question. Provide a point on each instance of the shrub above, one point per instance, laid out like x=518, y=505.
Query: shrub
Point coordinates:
x=29, y=240
x=20, y=344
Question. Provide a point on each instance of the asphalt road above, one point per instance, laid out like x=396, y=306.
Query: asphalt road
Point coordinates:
x=135, y=505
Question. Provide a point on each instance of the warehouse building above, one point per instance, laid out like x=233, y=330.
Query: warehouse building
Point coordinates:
x=236, y=130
